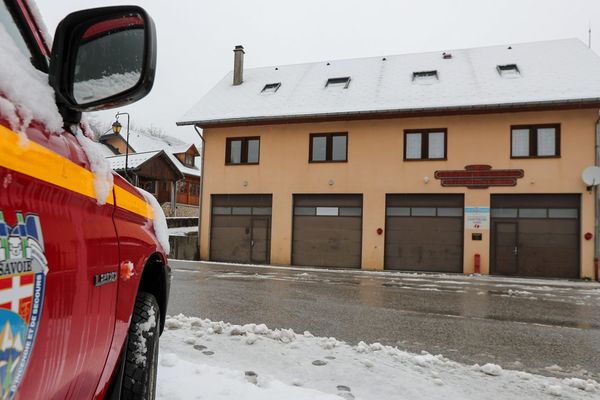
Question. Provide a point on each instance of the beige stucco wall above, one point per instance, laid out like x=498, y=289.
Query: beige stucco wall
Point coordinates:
x=375, y=167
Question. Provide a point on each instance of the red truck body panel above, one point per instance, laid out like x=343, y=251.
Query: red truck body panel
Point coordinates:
x=81, y=307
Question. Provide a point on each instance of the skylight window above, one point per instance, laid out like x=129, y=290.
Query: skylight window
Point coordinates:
x=341, y=83
x=425, y=77
x=271, y=87
x=509, y=71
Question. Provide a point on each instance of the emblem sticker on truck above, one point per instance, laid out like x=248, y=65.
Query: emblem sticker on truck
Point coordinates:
x=23, y=269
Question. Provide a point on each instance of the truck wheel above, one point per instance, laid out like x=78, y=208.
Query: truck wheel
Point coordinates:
x=139, y=380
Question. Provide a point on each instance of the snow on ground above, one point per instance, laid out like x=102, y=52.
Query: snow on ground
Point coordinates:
x=182, y=231
x=202, y=359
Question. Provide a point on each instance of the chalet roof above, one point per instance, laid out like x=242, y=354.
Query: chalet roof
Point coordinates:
x=549, y=72
x=137, y=160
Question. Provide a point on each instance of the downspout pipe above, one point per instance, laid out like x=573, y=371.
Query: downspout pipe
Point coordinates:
x=597, y=207
x=201, y=185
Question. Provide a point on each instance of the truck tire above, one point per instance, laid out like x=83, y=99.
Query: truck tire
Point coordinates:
x=139, y=380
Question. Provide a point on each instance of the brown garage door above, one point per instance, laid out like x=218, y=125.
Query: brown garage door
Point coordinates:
x=327, y=230
x=424, y=232
x=241, y=228
x=535, y=235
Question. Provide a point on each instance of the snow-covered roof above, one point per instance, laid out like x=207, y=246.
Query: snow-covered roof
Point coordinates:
x=134, y=161
x=184, y=168
x=555, y=71
x=144, y=142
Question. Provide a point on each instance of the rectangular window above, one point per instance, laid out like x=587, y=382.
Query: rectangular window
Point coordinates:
x=425, y=144
x=508, y=71
x=504, y=213
x=328, y=211
x=531, y=141
x=532, y=213
x=305, y=211
x=222, y=210
x=189, y=160
x=328, y=147
x=341, y=83
x=425, y=77
x=149, y=186
x=242, y=150
x=271, y=87
x=398, y=211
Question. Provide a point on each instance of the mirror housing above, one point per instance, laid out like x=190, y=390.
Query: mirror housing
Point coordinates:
x=116, y=42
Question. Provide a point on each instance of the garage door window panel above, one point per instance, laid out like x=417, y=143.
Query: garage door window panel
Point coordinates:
x=241, y=210
x=328, y=211
x=328, y=147
x=261, y=210
x=570, y=213
x=533, y=213
x=242, y=150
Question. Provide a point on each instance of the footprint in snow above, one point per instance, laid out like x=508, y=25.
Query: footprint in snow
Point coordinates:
x=208, y=353
x=343, y=388
x=346, y=395
x=319, y=363
x=330, y=357
x=251, y=376
x=200, y=347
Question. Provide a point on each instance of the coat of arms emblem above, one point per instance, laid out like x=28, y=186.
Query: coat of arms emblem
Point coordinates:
x=23, y=269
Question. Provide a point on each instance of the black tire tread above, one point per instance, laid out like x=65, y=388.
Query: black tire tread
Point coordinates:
x=136, y=378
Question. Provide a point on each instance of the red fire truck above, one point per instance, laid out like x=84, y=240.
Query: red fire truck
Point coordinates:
x=84, y=278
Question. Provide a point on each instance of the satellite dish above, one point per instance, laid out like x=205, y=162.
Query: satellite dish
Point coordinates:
x=591, y=176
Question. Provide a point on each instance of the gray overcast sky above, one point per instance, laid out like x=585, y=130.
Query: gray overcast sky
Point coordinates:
x=196, y=38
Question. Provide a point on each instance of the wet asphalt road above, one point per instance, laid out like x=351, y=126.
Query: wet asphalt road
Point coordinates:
x=532, y=325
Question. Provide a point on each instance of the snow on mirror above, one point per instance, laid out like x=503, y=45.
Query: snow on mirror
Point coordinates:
x=109, y=59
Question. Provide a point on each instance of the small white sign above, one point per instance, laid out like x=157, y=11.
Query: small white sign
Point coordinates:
x=477, y=218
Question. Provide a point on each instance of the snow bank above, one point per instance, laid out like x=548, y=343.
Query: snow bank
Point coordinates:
x=199, y=356
x=26, y=88
x=161, y=230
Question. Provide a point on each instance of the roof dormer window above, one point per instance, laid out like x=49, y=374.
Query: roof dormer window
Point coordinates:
x=425, y=77
x=271, y=87
x=508, y=71
x=341, y=83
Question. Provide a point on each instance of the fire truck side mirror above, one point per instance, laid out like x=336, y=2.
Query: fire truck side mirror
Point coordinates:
x=103, y=58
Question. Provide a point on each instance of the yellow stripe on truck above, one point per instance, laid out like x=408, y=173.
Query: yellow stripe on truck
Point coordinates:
x=133, y=203
x=38, y=162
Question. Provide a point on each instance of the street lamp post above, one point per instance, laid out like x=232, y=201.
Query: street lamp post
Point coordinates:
x=116, y=127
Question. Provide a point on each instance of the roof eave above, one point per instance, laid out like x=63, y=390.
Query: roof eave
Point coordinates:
x=398, y=113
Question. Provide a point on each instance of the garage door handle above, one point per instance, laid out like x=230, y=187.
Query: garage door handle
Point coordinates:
x=516, y=251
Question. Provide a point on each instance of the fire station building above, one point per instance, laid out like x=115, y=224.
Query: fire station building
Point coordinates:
x=452, y=161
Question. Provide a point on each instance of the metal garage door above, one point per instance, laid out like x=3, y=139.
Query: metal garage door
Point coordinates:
x=535, y=235
x=327, y=230
x=424, y=232
x=240, y=228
